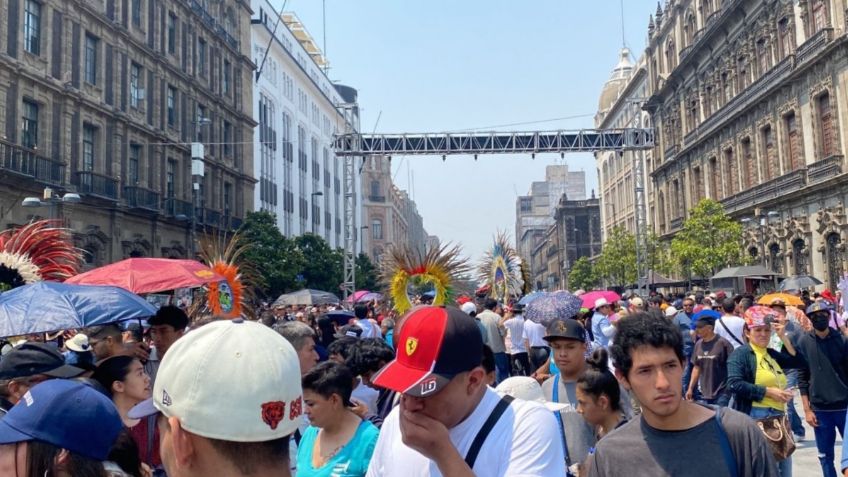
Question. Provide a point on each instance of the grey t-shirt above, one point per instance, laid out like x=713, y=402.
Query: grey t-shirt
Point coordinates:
x=578, y=433
x=638, y=449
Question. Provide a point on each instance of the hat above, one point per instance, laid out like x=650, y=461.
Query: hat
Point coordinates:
x=759, y=315
x=637, y=302
x=721, y=295
x=565, y=328
x=349, y=330
x=819, y=307
x=468, y=308
x=670, y=311
x=169, y=315
x=827, y=295
x=601, y=302
x=104, y=331
x=78, y=343
x=66, y=414
x=527, y=389
x=435, y=344
x=203, y=382
x=32, y=358
x=706, y=317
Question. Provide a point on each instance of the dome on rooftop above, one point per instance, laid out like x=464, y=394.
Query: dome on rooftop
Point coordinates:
x=617, y=82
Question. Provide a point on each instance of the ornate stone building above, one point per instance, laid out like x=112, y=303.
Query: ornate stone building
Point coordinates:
x=104, y=98
x=749, y=101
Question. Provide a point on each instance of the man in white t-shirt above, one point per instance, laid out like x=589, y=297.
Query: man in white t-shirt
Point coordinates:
x=534, y=334
x=729, y=326
x=438, y=428
x=370, y=328
x=513, y=321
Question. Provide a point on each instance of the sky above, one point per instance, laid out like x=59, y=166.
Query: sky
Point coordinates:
x=447, y=65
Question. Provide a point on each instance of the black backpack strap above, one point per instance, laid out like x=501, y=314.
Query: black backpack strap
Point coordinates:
x=481, y=436
x=723, y=325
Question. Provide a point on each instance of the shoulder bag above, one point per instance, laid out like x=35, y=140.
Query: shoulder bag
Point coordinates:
x=777, y=433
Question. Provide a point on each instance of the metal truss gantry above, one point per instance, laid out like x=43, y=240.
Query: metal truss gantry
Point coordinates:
x=443, y=144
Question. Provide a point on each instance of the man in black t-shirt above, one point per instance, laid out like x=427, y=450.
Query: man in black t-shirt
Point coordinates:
x=649, y=360
x=709, y=361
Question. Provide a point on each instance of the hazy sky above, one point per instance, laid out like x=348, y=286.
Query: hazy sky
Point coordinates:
x=446, y=65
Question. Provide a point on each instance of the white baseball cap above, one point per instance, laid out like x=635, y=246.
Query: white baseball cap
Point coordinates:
x=468, y=307
x=231, y=380
x=670, y=311
x=527, y=389
x=601, y=302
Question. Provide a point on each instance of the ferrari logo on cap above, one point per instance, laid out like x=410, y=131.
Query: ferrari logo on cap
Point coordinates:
x=411, y=345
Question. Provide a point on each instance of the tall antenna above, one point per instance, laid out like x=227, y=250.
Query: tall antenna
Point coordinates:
x=324, y=28
x=623, y=36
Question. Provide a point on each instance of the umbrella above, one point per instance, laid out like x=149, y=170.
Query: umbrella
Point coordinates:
x=526, y=299
x=370, y=296
x=798, y=283
x=551, y=306
x=591, y=297
x=149, y=275
x=49, y=306
x=307, y=296
x=357, y=295
x=786, y=298
x=340, y=317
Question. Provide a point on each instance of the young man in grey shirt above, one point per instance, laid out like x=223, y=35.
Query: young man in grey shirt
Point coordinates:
x=649, y=361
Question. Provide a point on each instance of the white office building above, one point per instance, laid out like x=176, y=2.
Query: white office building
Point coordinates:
x=299, y=177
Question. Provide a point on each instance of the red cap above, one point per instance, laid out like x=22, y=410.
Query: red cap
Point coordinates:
x=435, y=344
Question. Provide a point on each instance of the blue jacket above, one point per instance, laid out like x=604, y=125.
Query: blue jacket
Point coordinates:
x=742, y=373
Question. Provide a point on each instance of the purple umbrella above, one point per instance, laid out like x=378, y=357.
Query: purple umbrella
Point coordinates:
x=551, y=306
x=370, y=296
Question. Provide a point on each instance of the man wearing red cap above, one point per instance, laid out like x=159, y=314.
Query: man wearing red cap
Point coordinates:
x=449, y=422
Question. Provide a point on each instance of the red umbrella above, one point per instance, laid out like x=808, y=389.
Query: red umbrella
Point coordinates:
x=591, y=297
x=149, y=275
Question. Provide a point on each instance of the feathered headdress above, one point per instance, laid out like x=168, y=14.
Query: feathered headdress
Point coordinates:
x=438, y=267
x=227, y=299
x=501, y=269
x=40, y=250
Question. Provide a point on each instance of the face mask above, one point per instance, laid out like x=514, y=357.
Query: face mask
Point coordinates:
x=820, y=321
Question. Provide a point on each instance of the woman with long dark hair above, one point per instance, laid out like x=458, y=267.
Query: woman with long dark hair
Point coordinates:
x=599, y=395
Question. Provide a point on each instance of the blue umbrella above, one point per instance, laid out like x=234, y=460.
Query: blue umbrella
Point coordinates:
x=551, y=306
x=526, y=299
x=49, y=306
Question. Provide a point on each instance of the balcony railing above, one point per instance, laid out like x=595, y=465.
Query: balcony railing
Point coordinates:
x=176, y=207
x=377, y=198
x=141, y=198
x=814, y=44
x=212, y=217
x=676, y=224
x=98, y=185
x=28, y=163
x=825, y=169
x=783, y=185
x=671, y=151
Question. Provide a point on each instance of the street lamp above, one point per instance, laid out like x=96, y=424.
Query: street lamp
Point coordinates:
x=197, y=173
x=314, y=194
x=51, y=198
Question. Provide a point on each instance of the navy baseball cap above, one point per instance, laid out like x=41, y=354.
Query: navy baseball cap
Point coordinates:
x=66, y=414
x=30, y=359
x=566, y=329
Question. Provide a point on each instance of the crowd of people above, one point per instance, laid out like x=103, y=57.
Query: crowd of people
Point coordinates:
x=638, y=386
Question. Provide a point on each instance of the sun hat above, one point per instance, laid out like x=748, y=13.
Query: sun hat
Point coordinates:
x=601, y=302
x=435, y=344
x=231, y=380
x=759, y=315
x=78, y=343
x=33, y=358
x=66, y=414
x=527, y=389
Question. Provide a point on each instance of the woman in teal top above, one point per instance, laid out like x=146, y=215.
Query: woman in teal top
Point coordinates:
x=338, y=443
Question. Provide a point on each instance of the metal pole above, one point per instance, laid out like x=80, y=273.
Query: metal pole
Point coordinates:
x=193, y=231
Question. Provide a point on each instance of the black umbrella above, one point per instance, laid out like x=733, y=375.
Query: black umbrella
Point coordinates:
x=307, y=297
x=798, y=282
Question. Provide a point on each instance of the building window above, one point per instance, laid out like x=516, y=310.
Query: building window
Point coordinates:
x=793, y=141
x=170, y=179
x=29, y=127
x=135, y=85
x=771, y=168
x=825, y=119
x=199, y=122
x=201, y=56
x=88, y=135
x=228, y=139
x=820, y=16
x=749, y=163
x=172, y=33
x=713, y=178
x=670, y=56
x=32, y=27
x=91, y=59
x=742, y=73
x=225, y=83
x=784, y=32
x=689, y=29
x=136, y=12
x=729, y=172
x=377, y=229
x=132, y=167
x=763, y=56
x=172, y=106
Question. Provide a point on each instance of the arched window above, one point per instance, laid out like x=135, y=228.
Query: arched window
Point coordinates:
x=670, y=56
x=820, y=16
x=799, y=262
x=774, y=259
x=833, y=258
x=689, y=29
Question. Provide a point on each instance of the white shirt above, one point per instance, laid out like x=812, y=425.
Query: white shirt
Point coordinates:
x=515, y=325
x=534, y=333
x=365, y=395
x=734, y=324
x=524, y=442
x=369, y=329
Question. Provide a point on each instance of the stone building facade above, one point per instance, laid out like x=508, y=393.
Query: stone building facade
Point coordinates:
x=749, y=102
x=105, y=97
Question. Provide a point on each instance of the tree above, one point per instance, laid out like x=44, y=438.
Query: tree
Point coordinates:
x=617, y=262
x=582, y=275
x=367, y=277
x=709, y=240
x=274, y=257
x=324, y=268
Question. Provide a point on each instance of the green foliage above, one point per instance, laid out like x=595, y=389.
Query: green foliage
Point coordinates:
x=367, y=277
x=325, y=266
x=274, y=257
x=617, y=262
x=582, y=275
x=709, y=240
